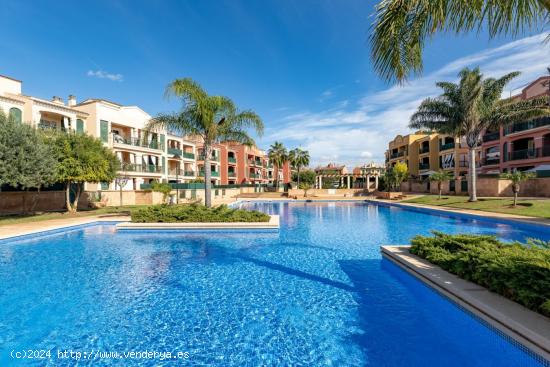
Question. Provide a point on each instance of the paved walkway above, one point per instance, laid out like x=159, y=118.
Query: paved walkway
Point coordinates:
x=480, y=213
x=19, y=229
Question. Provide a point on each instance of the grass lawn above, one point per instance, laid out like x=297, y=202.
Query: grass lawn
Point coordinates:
x=533, y=208
x=86, y=212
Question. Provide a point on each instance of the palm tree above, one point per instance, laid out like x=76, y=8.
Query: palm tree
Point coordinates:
x=211, y=118
x=517, y=177
x=440, y=177
x=278, y=155
x=298, y=158
x=401, y=28
x=468, y=108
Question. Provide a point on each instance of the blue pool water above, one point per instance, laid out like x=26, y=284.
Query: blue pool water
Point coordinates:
x=315, y=293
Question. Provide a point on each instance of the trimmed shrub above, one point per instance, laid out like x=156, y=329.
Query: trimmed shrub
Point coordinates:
x=513, y=270
x=194, y=213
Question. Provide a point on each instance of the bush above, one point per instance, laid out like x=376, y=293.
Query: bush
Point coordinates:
x=513, y=270
x=194, y=213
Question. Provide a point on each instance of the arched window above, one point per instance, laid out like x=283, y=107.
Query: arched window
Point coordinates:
x=16, y=114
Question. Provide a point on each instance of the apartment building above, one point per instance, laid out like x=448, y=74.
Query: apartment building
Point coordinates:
x=146, y=156
x=426, y=153
x=520, y=146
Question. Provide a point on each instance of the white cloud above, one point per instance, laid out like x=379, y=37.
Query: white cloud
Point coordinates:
x=353, y=132
x=105, y=75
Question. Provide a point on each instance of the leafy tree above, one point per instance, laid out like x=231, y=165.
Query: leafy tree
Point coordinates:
x=26, y=160
x=473, y=105
x=298, y=158
x=211, y=118
x=517, y=177
x=306, y=186
x=402, y=27
x=440, y=177
x=307, y=176
x=278, y=155
x=400, y=173
x=82, y=158
x=164, y=188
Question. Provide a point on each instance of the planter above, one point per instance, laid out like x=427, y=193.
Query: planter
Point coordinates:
x=389, y=195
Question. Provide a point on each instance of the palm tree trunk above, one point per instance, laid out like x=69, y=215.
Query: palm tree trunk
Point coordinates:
x=473, y=178
x=515, y=198
x=207, y=175
x=298, y=176
x=440, y=189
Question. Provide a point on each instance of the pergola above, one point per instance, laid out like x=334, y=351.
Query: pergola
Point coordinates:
x=348, y=179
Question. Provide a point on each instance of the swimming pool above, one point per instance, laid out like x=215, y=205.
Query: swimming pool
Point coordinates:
x=317, y=292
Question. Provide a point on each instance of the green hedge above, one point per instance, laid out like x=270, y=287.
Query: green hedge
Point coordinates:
x=193, y=213
x=518, y=272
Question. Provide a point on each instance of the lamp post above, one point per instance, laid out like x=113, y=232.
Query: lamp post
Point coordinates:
x=122, y=180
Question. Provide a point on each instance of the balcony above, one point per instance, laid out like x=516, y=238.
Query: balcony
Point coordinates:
x=522, y=154
x=214, y=158
x=254, y=175
x=490, y=161
x=189, y=173
x=138, y=142
x=212, y=173
x=447, y=146
x=232, y=160
x=424, y=149
x=188, y=155
x=544, y=151
x=522, y=126
x=397, y=155
x=463, y=164
x=150, y=168
x=232, y=174
x=491, y=137
x=175, y=151
x=423, y=166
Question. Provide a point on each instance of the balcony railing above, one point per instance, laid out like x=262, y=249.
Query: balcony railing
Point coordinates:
x=398, y=154
x=491, y=136
x=490, y=161
x=212, y=173
x=463, y=164
x=522, y=126
x=188, y=155
x=544, y=151
x=423, y=166
x=522, y=154
x=232, y=159
x=189, y=173
x=231, y=174
x=214, y=158
x=138, y=142
x=254, y=175
x=447, y=146
x=424, y=149
x=175, y=151
x=151, y=168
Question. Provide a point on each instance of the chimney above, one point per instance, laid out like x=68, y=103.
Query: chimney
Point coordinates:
x=72, y=100
x=57, y=100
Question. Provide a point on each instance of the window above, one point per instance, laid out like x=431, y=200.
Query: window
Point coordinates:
x=104, y=130
x=79, y=126
x=104, y=186
x=15, y=114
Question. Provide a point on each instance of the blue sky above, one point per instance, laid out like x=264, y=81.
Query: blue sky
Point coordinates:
x=302, y=65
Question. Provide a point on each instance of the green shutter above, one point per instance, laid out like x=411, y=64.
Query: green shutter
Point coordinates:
x=162, y=138
x=104, y=130
x=15, y=114
x=104, y=186
x=79, y=126
x=163, y=165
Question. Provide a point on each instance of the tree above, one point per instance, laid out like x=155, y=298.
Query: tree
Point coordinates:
x=400, y=173
x=305, y=186
x=517, y=177
x=307, y=176
x=26, y=160
x=298, y=158
x=402, y=27
x=278, y=155
x=164, y=188
x=82, y=158
x=473, y=105
x=211, y=118
x=440, y=177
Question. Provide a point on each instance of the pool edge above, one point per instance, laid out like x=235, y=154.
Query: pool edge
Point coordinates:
x=442, y=282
